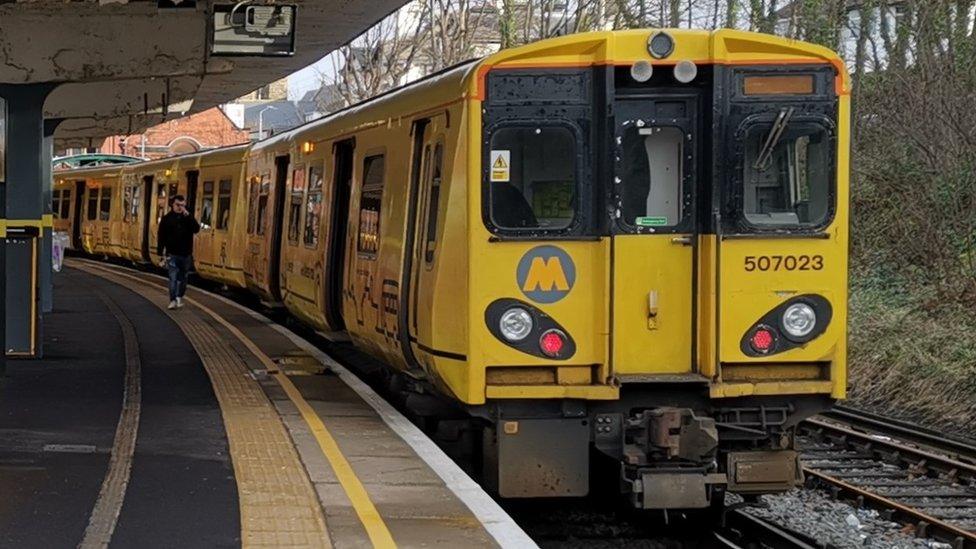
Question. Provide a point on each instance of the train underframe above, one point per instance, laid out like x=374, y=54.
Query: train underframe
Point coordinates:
x=676, y=447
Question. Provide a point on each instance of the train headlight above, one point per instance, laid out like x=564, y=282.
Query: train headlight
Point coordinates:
x=799, y=319
x=515, y=324
x=685, y=71
x=641, y=71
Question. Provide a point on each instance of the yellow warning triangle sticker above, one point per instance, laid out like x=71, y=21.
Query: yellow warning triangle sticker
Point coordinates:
x=500, y=163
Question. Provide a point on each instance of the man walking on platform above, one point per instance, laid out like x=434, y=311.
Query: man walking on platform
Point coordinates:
x=175, y=236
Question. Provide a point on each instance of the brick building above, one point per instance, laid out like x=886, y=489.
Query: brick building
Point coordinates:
x=206, y=130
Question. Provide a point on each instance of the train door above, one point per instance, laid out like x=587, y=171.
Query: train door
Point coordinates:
x=192, y=181
x=655, y=237
x=76, y=220
x=338, y=220
x=147, y=196
x=274, y=251
x=422, y=233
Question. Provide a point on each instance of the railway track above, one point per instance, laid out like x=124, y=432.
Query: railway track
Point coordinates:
x=909, y=474
x=741, y=530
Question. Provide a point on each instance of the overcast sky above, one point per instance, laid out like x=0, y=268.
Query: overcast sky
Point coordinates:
x=308, y=78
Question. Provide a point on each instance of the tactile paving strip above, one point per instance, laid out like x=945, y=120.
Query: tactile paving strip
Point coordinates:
x=278, y=503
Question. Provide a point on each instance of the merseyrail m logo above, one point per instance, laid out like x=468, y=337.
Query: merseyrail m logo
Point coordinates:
x=546, y=274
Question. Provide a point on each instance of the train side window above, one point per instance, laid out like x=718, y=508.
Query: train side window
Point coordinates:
x=370, y=203
x=434, y=202
x=160, y=202
x=92, y=204
x=105, y=204
x=127, y=203
x=295, y=204
x=532, y=178
x=263, y=194
x=56, y=203
x=136, y=201
x=65, y=203
x=223, y=204
x=206, y=210
x=313, y=206
x=252, y=205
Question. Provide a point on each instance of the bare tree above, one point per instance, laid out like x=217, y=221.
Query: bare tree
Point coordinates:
x=380, y=58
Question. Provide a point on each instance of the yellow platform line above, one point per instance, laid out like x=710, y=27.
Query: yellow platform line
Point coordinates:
x=379, y=534
x=279, y=506
x=375, y=527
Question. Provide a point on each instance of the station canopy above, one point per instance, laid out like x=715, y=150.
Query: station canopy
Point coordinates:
x=120, y=66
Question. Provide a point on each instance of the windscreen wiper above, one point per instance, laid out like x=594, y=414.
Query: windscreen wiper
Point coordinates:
x=766, y=153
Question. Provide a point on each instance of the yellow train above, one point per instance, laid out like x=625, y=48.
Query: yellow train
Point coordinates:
x=630, y=241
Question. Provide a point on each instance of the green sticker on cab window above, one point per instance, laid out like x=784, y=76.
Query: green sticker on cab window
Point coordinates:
x=651, y=221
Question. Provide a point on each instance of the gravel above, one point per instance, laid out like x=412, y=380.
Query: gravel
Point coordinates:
x=816, y=514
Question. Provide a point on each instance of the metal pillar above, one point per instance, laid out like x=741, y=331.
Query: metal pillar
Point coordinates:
x=46, y=285
x=28, y=162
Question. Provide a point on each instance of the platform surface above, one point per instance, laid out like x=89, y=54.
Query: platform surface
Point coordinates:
x=210, y=426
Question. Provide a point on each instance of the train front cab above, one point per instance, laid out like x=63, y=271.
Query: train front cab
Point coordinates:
x=658, y=260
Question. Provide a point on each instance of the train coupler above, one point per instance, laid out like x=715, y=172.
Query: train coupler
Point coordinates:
x=670, y=459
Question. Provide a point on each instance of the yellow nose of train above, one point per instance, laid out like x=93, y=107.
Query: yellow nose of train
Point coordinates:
x=657, y=256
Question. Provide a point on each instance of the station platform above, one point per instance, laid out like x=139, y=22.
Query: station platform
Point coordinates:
x=211, y=426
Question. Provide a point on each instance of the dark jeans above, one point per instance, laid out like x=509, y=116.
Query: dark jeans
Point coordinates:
x=178, y=266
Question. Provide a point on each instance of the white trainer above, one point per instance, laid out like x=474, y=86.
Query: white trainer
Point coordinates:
x=179, y=303
x=172, y=305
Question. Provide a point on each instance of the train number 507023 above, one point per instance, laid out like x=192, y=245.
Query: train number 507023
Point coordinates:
x=784, y=263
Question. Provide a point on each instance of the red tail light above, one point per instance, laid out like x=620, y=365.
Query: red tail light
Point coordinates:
x=552, y=342
x=762, y=340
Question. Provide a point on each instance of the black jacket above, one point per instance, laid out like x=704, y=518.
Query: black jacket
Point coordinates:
x=176, y=234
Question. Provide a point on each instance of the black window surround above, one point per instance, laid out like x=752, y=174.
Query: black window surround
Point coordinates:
x=575, y=224
x=736, y=173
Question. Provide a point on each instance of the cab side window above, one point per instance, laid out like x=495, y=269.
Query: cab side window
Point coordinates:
x=370, y=202
x=434, y=203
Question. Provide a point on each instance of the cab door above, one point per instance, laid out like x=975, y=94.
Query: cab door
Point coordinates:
x=428, y=161
x=655, y=239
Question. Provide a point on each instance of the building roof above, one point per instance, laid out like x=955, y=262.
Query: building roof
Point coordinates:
x=278, y=116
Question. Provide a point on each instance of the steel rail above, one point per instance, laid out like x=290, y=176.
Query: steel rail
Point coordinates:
x=740, y=529
x=959, y=447
x=921, y=452
x=926, y=525
x=918, y=460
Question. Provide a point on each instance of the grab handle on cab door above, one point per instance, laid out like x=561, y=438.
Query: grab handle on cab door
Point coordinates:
x=652, y=310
